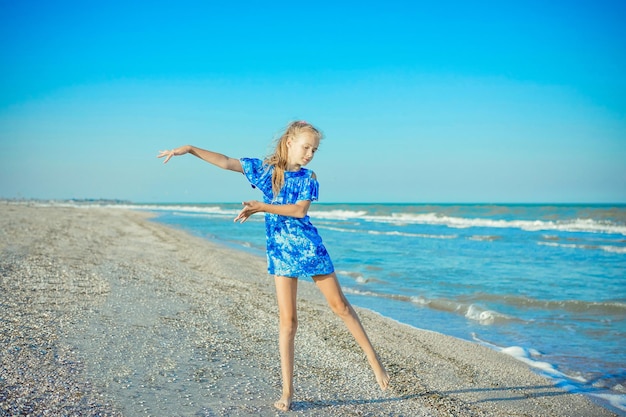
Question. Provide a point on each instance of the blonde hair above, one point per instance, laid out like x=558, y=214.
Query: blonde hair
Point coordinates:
x=279, y=158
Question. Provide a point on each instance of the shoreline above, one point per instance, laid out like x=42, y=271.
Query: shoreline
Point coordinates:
x=122, y=316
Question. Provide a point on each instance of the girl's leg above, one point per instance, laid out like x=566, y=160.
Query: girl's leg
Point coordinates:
x=286, y=289
x=331, y=289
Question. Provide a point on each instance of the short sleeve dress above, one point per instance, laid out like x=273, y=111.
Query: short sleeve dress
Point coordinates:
x=294, y=247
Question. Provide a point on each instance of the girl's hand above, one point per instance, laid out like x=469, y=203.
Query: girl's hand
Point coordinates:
x=174, y=152
x=249, y=208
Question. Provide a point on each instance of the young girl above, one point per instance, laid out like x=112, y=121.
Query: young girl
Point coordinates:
x=294, y=247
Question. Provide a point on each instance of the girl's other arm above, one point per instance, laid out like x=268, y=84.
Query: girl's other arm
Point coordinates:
x=214, y=158
x=298, y=210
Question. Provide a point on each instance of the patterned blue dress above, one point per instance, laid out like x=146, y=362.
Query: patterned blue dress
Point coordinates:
x=294, y=247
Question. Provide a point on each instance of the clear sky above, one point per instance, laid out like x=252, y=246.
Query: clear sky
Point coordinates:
x=450, y=101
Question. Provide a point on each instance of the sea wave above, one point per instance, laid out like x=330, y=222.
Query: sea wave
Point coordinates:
x=334, y=228
x=358, y=277
x=473, y=307
x=597, y=308
x=613, y=395
x=472, y=311
x=422, y=235
x=485, y=238
x=606, y=248
x=571, y=225
x=338, y=214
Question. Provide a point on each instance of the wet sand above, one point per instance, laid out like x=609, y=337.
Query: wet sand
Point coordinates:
x=106, y=313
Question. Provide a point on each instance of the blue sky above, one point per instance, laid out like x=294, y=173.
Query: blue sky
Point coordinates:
x=419, y=101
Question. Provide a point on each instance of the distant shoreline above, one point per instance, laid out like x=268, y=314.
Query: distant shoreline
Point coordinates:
x=105, y=201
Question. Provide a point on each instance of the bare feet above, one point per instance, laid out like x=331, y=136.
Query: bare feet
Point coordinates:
x=382, y=377
x=284, y=404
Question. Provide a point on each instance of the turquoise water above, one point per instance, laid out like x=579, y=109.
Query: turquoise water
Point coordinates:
x=546, y=283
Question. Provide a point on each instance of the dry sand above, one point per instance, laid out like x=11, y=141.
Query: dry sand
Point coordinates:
x=103, y=312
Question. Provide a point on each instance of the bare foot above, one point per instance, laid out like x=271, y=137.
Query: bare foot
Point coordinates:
x=284, y=404
x=382, y=377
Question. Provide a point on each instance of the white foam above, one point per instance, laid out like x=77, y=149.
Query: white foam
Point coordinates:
x=575, y=225
x=337, y=214
x=469, y=311
x=484, y=238
x=606, y=248
x=337, y=229
x=562, y=245
x=384, y=233
x=405, y=234
x=572, y=225
x=482, y=316
x=613, y=249
x=356, y=276
x=562, y=380
x=526, y=356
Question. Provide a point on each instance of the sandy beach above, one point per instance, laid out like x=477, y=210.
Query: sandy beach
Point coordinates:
x=106, y=313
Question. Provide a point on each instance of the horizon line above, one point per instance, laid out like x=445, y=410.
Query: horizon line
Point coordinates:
x=126, y=201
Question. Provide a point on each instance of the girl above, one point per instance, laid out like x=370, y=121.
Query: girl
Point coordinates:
x=294, y=247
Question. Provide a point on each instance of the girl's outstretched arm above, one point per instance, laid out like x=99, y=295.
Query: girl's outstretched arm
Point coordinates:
x=214, y=158
x=299, y=209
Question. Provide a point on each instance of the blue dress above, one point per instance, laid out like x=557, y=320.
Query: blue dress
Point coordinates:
x=294, y=247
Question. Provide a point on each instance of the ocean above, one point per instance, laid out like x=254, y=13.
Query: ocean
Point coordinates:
x=544, y=283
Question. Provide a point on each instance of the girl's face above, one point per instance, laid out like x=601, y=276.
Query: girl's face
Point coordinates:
x=301, y=149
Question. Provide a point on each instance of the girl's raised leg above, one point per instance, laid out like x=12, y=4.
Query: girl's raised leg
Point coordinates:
x=331, y=289
x=286, y=289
